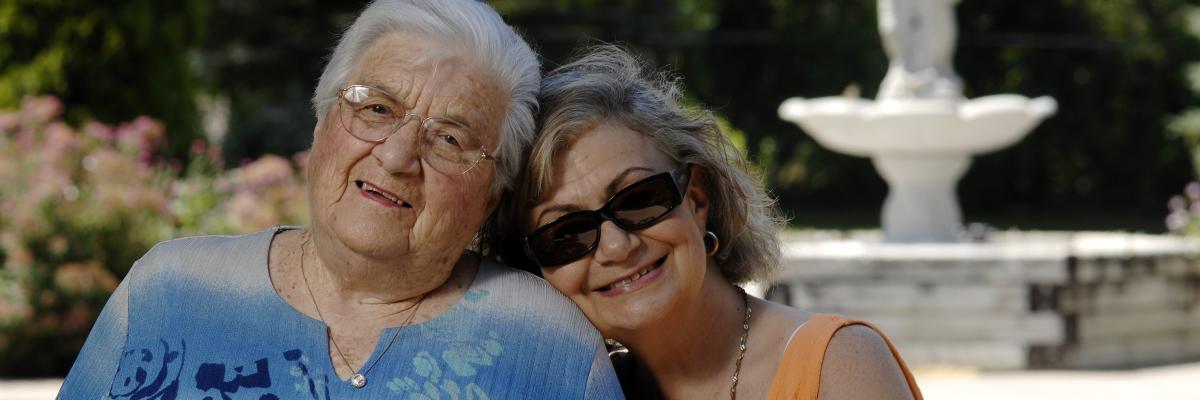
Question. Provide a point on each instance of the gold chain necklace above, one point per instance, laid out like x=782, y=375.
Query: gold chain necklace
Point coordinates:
x=737, y=368
x=359, y=379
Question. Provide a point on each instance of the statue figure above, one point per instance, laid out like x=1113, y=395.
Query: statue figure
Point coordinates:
x=919, y=37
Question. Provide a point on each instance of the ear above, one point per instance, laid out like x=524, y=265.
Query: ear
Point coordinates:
x=697, y=197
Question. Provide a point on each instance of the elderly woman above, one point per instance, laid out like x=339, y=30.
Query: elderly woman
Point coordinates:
x=423, y=113
x=643, y=214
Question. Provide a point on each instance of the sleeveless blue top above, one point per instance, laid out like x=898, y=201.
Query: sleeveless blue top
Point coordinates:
x=198, y=318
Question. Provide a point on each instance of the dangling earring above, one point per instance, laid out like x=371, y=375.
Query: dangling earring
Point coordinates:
x=711, y=243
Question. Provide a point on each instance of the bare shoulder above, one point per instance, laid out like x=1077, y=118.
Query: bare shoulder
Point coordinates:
x=860, y=365
x=773, y=324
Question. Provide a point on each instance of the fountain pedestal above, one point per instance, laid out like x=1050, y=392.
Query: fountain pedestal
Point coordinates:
x=921, y=205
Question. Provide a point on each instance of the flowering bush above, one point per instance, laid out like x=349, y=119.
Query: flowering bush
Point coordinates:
x=1184, y=216
x=79, y=206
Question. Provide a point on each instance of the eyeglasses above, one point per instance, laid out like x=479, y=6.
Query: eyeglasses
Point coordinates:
x=636, y=207
x=373, y=115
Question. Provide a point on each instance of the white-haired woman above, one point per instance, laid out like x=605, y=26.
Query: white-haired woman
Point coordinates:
x=423, y=113
x=641, y=212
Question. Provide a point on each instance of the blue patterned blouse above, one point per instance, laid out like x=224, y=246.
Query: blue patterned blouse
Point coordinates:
x=197, y=318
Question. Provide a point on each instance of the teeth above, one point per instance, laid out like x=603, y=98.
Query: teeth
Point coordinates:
x=384, y=195
x=624, y=283
x=372, y=189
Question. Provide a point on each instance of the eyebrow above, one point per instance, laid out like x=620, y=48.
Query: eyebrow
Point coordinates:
x=391, y=92
x=609, y=190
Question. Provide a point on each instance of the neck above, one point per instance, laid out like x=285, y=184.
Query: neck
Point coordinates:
x=692, y=352
x=370, y=287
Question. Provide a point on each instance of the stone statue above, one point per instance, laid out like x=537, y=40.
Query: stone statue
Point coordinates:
x=919, y=37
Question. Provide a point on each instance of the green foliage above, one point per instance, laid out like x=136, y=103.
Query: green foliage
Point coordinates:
x=111, y=62
x=79, y=206
x=1117, y=69
x=264, y=57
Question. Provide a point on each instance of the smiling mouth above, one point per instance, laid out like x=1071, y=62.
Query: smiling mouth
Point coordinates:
x=624, y=283
x=380, y=194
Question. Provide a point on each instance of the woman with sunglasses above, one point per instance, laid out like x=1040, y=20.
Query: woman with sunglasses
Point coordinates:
x=643, y=214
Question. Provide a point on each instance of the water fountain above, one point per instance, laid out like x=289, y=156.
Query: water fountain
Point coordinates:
x=920, y=133
x=1013, y=300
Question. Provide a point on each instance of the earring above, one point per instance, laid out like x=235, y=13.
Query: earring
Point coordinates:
x=711, y=243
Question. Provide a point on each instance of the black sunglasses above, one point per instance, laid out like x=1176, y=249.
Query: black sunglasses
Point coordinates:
x=636, y=207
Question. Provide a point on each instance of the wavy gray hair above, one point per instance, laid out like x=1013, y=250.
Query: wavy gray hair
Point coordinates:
x=609, y=84
x=471, y=24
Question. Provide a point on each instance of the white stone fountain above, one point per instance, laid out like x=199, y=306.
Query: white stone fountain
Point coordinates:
x=1016, y=300
x=920, y=133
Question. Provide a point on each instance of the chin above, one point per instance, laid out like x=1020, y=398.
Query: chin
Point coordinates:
x=639, y=310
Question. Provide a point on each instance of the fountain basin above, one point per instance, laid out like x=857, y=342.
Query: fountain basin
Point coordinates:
x=1023, y=300
x=924, y=127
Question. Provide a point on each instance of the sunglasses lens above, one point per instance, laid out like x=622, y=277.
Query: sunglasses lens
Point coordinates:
x=642, y=204
x=635, y=207
x=564, y=240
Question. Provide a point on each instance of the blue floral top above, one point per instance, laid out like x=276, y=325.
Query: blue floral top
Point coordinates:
x=198, y=318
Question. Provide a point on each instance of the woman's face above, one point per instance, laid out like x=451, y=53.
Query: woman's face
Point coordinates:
x=592, y=168
x=383, y=200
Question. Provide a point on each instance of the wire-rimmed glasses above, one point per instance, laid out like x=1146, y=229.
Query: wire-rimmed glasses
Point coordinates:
x=373, y=115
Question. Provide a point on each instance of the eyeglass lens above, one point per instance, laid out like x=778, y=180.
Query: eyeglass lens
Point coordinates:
x=372, y=115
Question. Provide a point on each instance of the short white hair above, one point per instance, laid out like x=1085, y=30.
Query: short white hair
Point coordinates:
x=475, y=27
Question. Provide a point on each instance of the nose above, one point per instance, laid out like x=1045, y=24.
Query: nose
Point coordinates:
x=400, y=153
x=615, y=244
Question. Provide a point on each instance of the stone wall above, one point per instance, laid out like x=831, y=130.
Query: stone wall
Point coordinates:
x=1023, y=300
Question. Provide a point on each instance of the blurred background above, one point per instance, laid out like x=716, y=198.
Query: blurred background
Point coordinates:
x=127, y=123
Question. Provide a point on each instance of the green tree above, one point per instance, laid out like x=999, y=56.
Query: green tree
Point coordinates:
x=1117, y=69
x=111, y=61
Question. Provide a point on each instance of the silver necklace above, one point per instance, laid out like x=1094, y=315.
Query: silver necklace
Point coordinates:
x=737, y=367
x=359, y=379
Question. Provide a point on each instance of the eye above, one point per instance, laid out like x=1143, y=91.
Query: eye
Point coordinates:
x=450, y=140
x=379, y=109
x=449, y=137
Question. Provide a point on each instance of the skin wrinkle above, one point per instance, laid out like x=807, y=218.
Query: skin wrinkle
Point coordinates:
x=366, y=261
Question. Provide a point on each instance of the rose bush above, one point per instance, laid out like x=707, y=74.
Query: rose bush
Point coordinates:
x=78, y=205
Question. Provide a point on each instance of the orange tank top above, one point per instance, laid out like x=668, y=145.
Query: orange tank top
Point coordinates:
x=799, y=373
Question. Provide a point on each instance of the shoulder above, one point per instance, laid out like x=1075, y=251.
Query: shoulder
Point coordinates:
x=200, y=256
x=529, y=300
x=516, y=287
x=859, y=364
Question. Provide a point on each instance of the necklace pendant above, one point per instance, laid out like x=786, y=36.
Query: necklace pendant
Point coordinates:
x=358, y=381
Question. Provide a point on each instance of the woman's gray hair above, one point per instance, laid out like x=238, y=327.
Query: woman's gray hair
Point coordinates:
x=467, y=23
x=608, y=84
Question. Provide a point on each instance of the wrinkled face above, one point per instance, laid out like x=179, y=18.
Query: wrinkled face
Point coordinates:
x=382, y=200
x=632, y=279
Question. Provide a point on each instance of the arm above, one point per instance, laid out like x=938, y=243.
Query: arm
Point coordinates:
x=91, y=376
x=859, y=364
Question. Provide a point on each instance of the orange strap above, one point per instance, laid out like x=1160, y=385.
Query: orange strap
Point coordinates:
x=799, y=373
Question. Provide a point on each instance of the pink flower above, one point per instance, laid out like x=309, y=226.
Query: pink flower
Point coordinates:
x=1176, y=202
x=1178, y=220
x=9, y=122
x=301, y=159
x=270, y=170
x=40, y=109
x=100, y=131
x=198, y=147
x=1193, y=191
